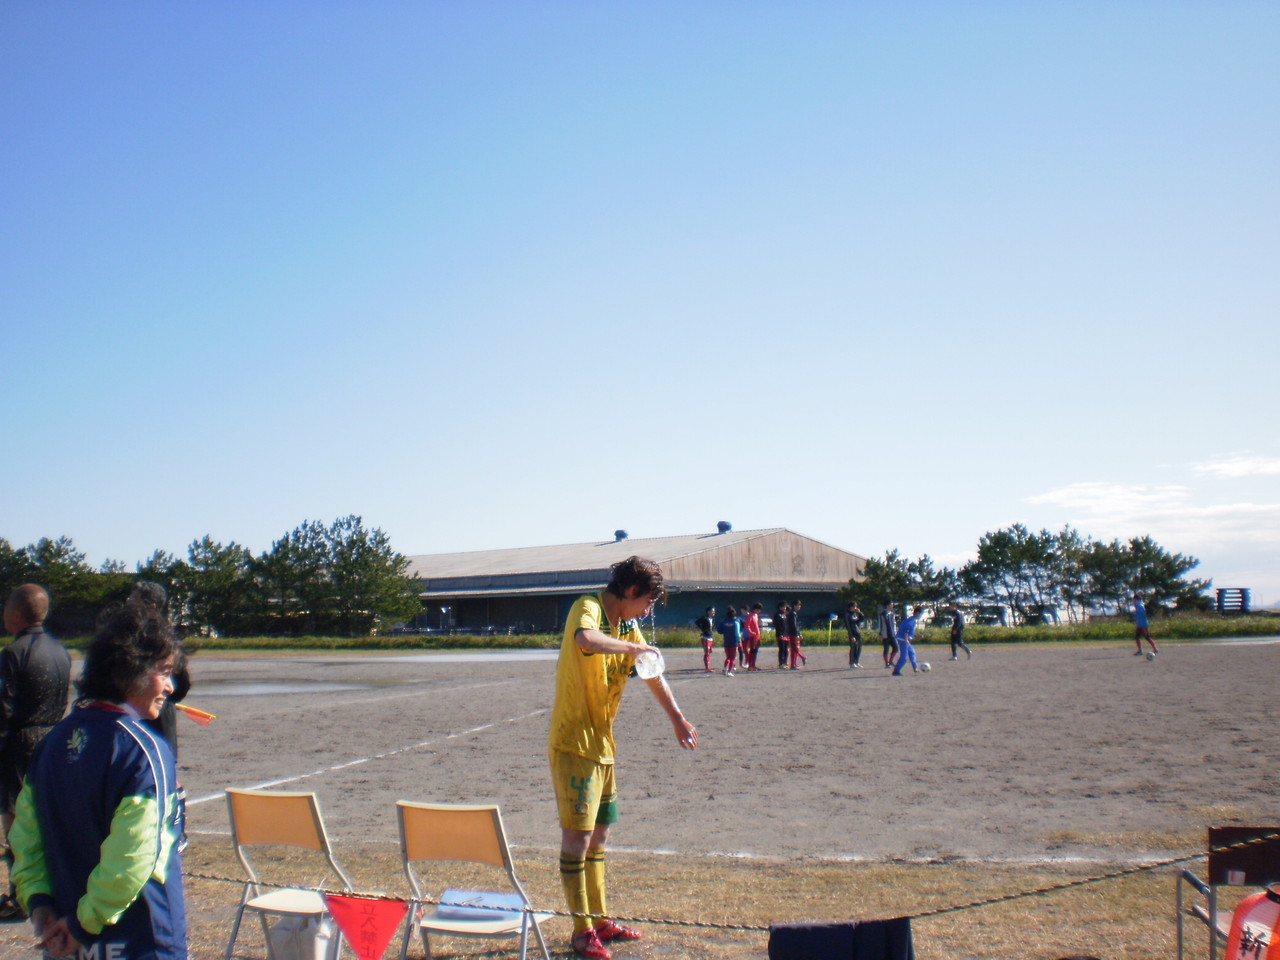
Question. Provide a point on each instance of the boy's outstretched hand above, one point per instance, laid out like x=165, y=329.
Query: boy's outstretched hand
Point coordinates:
x=686, y=733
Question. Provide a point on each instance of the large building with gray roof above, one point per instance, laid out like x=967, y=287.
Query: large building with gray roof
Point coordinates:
x=530, y=589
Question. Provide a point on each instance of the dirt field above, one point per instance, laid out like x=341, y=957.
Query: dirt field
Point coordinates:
x=1023, y=764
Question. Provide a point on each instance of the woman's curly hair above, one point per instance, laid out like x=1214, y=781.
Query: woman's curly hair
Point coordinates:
x=129, y=643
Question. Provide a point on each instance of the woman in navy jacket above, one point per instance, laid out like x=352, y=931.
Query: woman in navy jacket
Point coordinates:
x=98, y=820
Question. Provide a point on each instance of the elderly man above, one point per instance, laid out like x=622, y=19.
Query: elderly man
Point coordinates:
x=35, y=672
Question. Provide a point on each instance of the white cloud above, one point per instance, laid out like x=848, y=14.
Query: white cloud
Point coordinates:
x=1238, y=466
x=1236, y=540
x=954, y=560
x=1169, y=513
x=1115, y=499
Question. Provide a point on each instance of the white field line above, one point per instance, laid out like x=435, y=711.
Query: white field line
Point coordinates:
x=374, y=698
x=1025, y=861
x=378, y=756
x=1247, y=641
x=416, y=693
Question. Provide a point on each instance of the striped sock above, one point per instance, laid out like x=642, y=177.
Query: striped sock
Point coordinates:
x=595, y=882
x=573, y=878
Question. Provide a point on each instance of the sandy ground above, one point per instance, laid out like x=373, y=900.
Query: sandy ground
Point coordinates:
x=1018, y=755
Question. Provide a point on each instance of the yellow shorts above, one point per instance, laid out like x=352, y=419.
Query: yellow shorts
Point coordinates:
x=585, y=791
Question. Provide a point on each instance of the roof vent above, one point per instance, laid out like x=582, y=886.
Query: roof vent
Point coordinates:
x=724, y=526
x=619, y=536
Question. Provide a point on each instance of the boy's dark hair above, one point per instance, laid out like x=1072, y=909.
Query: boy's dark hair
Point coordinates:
x=731, y=612
x=128, y=645
x=152, y=594
x=645, y=575
x=756, y=606
x=709, y=610
x=782, y=605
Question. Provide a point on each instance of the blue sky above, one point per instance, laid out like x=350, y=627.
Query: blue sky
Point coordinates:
x=499, y=274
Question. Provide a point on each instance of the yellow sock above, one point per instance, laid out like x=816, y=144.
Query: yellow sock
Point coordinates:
x=573, y=877
x=595, y=882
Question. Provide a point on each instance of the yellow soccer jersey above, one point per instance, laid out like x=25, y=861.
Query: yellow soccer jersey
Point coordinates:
x=589, y=685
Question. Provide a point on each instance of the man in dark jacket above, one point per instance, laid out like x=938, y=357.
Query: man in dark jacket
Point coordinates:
x=152, y=596
x=35, y=673
x=957, y=634
x=853, y=621
x=706, y=625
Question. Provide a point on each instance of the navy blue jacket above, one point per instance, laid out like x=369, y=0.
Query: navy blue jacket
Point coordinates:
x=102, y=791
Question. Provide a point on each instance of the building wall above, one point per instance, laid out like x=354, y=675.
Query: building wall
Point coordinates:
x=778, y=556
x=547, y=614
x=714, y=574
x=520, y=614
x=681, y=609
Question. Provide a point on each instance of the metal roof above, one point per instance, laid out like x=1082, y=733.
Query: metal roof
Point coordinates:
x=573, y=556
x=565, y=589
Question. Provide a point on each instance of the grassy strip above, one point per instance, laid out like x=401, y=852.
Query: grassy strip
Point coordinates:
x=1171, y=628
x=399, y=642
x=1128, y=917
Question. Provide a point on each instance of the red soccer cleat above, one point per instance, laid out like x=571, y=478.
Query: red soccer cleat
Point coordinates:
x=615, y=931
x=587, y=944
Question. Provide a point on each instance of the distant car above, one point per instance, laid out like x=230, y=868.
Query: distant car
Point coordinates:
x=766, y=623
x=1041, y=620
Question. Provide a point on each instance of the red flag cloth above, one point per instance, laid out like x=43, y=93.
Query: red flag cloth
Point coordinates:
x=1255, y=927
x=199, y=716
x=368, y=923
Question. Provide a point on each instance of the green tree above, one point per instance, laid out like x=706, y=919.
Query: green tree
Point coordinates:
x=370, y=580
x=905, y=582
x=294, y=583
x=1108, y=570
x=934, y=586
x=1014, y=567
x=215, y=581
x=76, y=591
x=1160, y=577
x=887, y=579
x=340, y=579
x=114, y=583
x=15, y=568
x=1068, y=564
x=60, y=568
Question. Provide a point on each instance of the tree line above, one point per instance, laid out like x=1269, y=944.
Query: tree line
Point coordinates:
x=339, y=579
x=1032, y=573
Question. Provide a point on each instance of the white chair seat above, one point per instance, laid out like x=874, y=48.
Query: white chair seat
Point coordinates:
x=289, y=901
x=503, y=927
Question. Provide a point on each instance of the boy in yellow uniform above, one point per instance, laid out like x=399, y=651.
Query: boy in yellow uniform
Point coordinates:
x=601, y=641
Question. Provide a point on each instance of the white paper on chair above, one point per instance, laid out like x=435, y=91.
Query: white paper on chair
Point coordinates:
x=475, y=904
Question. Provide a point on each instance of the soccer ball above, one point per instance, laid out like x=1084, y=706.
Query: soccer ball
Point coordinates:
x=924, y=668
x=1150, y=655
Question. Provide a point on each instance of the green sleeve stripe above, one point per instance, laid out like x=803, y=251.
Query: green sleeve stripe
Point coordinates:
x=30, y=872
x=130, y=857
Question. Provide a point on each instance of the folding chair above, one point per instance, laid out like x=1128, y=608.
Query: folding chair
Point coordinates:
x=279, y=819
x=1250, y=864
x=467, y=834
